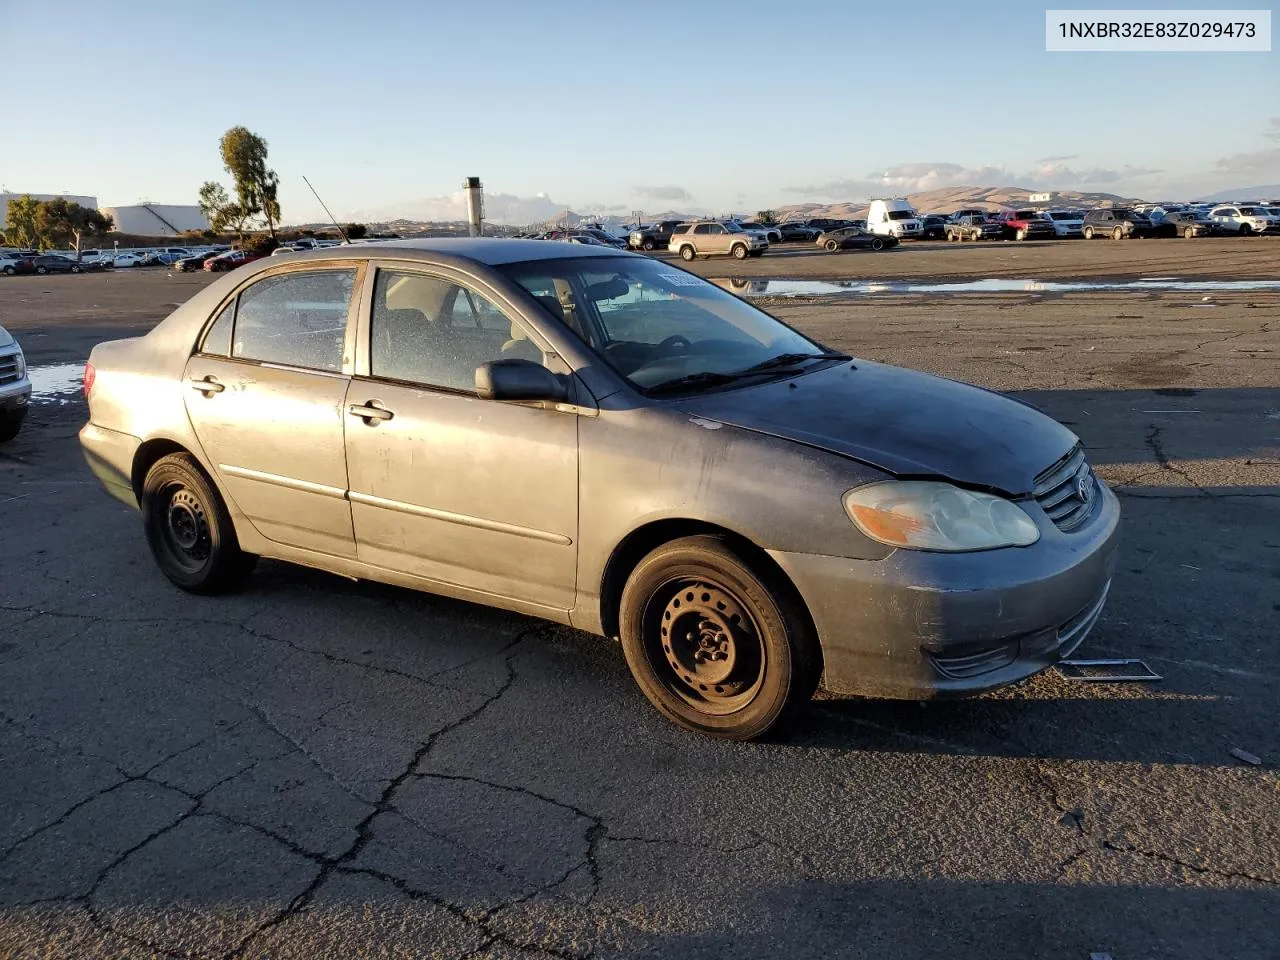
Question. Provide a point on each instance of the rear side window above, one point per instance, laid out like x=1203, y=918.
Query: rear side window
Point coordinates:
x=298, y=319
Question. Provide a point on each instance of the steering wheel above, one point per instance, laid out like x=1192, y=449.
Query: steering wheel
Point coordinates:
x=673, y=341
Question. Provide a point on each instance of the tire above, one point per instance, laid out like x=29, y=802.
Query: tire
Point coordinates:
x=877, y=243
x=753, y=659
x=739, y=251
x=1188, y=234
x=831, y=246
x=648, y=245
x=75, y=268
x=1117, y=234
x=9, y=271
x=687, y=253
x=1088, y=233
x=1021, y=235
x=42, y=270
x=9, y=427
x=1245, y=229
x=189, y=529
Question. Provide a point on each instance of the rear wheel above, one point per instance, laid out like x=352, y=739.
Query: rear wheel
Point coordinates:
x=1245, y=229
x=711, y=645
x=1117, y=234
x=1021, y=234
x=1088, y=233
x=832, y=246
x=1188, y=233
x=648, y=245
x=42, y=270
x=739, y=251
x=189, y=529
x=687, y=252
x=877, y=243
x=75, y=268
x=9, y=271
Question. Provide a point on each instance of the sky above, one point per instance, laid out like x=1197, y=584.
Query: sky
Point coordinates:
x=613, y=107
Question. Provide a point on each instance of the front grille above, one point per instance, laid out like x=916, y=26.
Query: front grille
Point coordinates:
x=9, y=368
x=1068, y=490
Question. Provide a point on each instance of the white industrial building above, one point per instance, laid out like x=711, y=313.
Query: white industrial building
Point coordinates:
x=7, y=197
x=157, y=219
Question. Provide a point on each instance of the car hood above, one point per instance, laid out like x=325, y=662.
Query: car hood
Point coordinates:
x=904, y=422
x=6, y=338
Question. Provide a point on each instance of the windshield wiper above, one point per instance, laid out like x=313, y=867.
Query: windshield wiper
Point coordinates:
x=704, y=378
x=789, y=359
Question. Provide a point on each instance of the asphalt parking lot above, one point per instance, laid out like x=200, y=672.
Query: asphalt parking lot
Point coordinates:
x=315, y=767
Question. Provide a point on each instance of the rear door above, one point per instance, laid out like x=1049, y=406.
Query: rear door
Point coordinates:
x=478, y=493
x=265, y=393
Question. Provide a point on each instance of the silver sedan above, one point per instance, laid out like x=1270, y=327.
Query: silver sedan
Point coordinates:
x=610, y=442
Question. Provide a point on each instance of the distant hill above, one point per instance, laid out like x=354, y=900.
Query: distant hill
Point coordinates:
x=951, y=199
x=1268, y=191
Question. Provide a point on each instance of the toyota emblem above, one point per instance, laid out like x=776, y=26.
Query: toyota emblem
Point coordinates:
x=1084, y=489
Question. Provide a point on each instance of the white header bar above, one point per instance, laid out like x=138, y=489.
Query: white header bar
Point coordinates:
x=1165, y=31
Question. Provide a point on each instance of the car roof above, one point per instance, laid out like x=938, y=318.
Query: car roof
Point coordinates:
x=487, y=250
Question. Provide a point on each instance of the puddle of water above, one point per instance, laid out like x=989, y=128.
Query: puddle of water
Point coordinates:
x=817, y=288
x=56, y=382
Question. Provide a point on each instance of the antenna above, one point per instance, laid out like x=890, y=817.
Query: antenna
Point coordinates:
x=332, y=219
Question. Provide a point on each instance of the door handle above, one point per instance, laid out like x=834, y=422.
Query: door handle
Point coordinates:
x=369, y=413
x=207, y=386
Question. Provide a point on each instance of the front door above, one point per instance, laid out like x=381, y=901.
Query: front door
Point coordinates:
x=265, y=395
x=444, y=485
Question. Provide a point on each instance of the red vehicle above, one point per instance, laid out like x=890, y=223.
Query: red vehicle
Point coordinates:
x=230, y=260
x=1025, y=225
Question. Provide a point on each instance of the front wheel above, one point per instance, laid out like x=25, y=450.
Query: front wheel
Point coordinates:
x=1245, y=229
x=832, y=246
x=877, y=243
x=1088, y=233
x=648, y=245
x=687, y=253
x=42, y=270
x=739, y=251
x=1188, y=234
x=75, y=268
x=1021, y=234
x=9, y=271
x=9, y=427
x=1117, y=234
x=711, y=645
x=189, y=529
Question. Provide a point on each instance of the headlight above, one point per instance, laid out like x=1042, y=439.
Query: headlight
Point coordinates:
x=22, y=365
x=929, y=515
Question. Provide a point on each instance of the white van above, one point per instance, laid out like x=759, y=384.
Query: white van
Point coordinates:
x=894, y=218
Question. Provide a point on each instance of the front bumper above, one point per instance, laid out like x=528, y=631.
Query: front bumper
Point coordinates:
x=15, y=398
x=921, y=626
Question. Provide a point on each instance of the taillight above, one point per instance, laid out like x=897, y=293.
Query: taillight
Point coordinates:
x=89, y=374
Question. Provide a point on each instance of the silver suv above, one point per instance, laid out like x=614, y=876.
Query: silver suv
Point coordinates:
x=705, y=238
x=15, y=387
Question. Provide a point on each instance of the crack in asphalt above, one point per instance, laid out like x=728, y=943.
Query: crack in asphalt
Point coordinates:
x=1157, y=449
x=385, y=803
x=1124, y=846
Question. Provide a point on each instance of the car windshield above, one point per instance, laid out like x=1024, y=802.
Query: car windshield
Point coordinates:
x=655, y=324
x=901, y=215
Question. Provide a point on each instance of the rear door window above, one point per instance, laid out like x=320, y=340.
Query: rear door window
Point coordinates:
x=296, y=319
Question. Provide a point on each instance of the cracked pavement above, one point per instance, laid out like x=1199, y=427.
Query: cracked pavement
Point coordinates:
x=316, y=768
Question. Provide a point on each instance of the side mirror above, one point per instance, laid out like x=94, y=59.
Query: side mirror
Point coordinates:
x=519, y=380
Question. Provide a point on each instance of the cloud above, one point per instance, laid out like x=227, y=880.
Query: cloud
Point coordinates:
x=837, y=189
x=1273, y=129
x=1248, y=164
x=1065, y=156
x=666, y=194
x=1050, y=174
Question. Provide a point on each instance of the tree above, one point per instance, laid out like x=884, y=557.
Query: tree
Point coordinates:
x=244, y=155
x=356, y=231
x=20, y=224
x=767, y=216
x=62, y=223
x=221, y=211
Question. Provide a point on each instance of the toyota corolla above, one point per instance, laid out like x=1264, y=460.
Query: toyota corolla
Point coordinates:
x=607, y=441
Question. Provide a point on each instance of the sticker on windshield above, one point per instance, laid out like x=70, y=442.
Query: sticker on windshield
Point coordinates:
x=680, y=279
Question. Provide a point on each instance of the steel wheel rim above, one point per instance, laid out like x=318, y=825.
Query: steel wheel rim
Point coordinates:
x=704, y=644
x=183, y=525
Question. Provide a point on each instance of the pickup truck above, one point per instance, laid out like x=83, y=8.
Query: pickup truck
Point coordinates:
x=654, y=237
x=1026, y=225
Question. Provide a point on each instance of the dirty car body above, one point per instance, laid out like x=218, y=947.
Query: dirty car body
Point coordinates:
x=579, y=434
